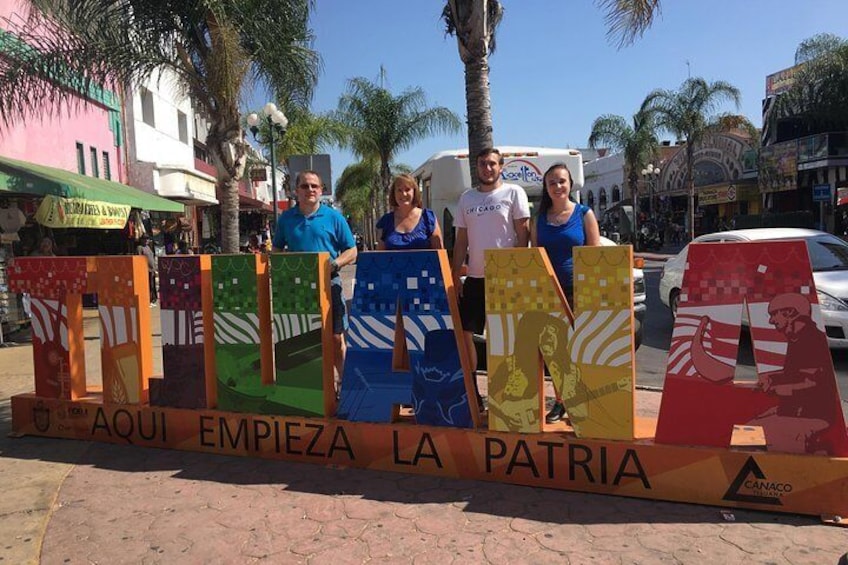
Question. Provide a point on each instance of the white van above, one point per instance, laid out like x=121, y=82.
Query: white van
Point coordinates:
x=447, y=174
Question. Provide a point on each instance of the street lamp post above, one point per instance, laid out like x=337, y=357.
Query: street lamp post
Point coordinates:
x=651, y=174
x=277, y=122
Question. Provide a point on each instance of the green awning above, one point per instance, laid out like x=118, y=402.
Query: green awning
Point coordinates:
x=28, y=178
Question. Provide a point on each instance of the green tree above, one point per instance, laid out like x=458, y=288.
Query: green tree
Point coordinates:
x=638, y=142
x=473, y=23
x=215, y=48
x=819, y=45
x=380, y=125
x=817, y=101
x=690, y=113
x=356, y=190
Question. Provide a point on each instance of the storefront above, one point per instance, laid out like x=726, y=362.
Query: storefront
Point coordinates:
x=724, y=172
x=82, y=215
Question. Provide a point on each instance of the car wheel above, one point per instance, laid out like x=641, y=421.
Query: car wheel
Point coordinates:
x=673, y=302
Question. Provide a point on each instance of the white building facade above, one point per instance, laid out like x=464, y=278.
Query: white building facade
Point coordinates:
x=604, y=184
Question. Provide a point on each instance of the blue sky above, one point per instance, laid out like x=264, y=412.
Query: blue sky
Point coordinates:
x=554, y=71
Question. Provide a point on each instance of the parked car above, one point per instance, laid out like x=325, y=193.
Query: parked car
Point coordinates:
x=640, y=307
x=828, y=258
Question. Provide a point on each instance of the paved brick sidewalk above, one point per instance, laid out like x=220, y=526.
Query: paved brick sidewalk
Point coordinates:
x=79, y=502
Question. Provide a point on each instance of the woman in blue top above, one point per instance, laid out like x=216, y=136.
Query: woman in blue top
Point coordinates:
x=560, y=225
x=408, y=226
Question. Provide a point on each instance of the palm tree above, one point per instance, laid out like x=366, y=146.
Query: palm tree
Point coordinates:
x=816, y=101
x=380, y=124
x=627, y=20
x=638, y=142
x=690, y=113
x=356, y=190
x=215, y=48
x=474, y=22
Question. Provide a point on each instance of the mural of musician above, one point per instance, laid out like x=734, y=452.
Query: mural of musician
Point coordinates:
x=795, y=401
x=805, y=419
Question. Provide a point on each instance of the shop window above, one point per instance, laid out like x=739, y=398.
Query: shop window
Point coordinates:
x=602, y=200
x=95, y=165
x=616, y=194
x=147, y=114
x=182, y=124
x=107, y=168
x=590, y=200
x=80, y=158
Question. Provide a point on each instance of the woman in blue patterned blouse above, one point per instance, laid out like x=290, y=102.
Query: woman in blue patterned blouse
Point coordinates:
x=408, y=225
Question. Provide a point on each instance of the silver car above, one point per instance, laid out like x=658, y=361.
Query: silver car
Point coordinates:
x=828, y=258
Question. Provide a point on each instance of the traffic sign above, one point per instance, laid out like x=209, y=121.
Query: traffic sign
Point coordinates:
x=821, y=193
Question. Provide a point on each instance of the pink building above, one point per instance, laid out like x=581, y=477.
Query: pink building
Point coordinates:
x=85, y=138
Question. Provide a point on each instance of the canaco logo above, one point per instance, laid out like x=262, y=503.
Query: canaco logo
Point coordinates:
x=752, y=485
x=521, y=171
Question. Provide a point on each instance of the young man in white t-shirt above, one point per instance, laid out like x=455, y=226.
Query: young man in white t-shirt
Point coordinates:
x=494, y=215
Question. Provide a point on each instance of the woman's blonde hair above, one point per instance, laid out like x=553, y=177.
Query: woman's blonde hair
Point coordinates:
x=405, y=180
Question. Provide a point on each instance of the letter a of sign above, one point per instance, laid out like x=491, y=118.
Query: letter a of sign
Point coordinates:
x=796, y=401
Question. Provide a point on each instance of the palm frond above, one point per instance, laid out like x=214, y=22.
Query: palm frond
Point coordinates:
x=627, y=20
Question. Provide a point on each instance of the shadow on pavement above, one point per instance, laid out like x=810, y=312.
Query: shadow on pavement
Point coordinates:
x=504, y=500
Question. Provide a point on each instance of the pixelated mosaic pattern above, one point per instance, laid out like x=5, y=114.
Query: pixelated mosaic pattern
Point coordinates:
x=517, y=281
x=412, y=281
x=121, y=278
x=298, y=332
x=234, y=283
x=49, y=277
x=294, y=283
x=179, y=283
x=701, y=403
x=183, y=357
x=600, y=397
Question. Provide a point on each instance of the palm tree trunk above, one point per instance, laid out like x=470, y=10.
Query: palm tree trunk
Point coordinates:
x=478, y=106
x=226, y=146
x=385, y=182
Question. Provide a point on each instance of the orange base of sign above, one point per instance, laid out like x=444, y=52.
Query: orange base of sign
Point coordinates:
x=745, y=476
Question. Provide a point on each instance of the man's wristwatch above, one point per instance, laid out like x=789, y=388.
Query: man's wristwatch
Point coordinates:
x=334, y=267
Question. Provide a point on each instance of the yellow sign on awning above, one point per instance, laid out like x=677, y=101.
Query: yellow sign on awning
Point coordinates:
x=58, y=212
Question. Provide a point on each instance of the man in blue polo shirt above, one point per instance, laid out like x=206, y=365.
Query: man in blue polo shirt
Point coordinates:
x=311, y=227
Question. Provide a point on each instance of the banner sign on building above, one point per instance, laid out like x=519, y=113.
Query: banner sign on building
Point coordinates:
x=779, y=167
x=58, y=212
x=781, y=81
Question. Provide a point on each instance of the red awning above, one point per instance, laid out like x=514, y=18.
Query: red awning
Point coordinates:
x=248, y=204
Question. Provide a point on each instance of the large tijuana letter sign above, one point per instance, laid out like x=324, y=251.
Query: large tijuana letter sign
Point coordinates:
x=275, y=398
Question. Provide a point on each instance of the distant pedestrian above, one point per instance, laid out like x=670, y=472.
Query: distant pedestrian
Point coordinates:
x=144, y=248
x=46, y=248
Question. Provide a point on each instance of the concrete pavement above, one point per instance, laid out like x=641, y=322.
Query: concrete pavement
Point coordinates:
x=79, y=502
